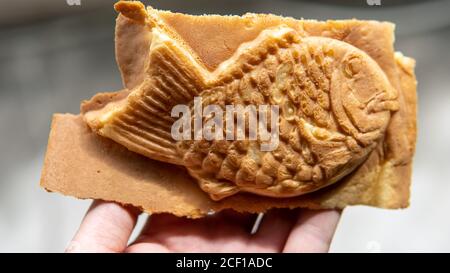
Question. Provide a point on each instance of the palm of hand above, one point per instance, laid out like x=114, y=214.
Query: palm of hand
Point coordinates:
x=107, y=228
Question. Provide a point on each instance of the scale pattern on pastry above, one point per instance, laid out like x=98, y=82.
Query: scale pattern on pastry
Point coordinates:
x=335, y=104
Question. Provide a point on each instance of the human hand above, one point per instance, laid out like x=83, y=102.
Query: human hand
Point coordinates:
x=107, y=227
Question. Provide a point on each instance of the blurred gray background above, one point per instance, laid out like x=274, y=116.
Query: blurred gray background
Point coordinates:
x=53, y=55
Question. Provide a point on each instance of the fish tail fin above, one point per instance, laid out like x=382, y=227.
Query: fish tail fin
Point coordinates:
x=143, y=120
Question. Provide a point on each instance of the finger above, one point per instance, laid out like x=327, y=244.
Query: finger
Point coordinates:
x=156, y=225
x=218, y=232
x=274, y=229
x=106, y=227
x=313, y=231
x=240, y=220
x=227, y=219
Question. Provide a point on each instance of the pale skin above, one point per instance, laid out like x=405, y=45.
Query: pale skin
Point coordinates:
x=107, y=227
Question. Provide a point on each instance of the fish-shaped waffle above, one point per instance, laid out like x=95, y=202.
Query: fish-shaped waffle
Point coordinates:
x=334, y=103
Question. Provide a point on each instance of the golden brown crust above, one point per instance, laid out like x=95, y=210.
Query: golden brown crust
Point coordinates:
x=382, y=181
x=334, y=102
x=100, y=100
x=216, y=38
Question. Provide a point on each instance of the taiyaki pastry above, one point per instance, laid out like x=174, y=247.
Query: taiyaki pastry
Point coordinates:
x=252, y=112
